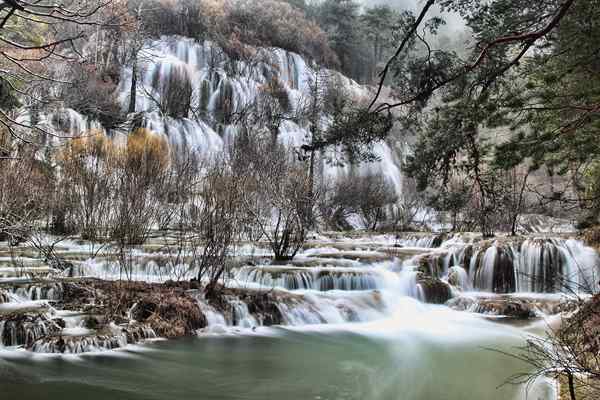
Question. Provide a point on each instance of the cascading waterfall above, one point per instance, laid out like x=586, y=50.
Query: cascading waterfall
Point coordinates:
x=557, y=265
x=322, y=279
x=24, y=330
x=116, y=337
x=51, y=291
x=189, y=91
x=541, y=265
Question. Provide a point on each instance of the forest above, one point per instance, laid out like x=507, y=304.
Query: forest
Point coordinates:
x=317, y=171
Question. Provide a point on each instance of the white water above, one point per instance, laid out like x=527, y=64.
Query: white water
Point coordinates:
x=219, y=87
x=544, y=265
x=385, y=306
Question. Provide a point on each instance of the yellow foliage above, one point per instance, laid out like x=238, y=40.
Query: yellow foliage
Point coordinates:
x=146, y=151
x=94, y=144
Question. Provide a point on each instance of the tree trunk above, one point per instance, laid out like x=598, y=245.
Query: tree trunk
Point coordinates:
x=571, y=385
x=133, y=91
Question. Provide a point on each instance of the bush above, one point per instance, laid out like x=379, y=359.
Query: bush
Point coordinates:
x=234, y=24
x=366, y=196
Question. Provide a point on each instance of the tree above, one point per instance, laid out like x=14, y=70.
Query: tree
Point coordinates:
x=366, y=196
x=23, y=198
x=380, y=24
x=218, y=221
x=463, y=104
x=277, y=197
x=88, y=179
x=141, y=169
x=341, y=21
x=37, y=37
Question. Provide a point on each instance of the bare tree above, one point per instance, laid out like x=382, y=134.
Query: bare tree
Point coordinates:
x=36, y=38
x=217, y=221
x=281, y=194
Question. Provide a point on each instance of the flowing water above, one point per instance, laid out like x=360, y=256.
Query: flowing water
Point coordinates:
x=355, y=326
x=419, y=354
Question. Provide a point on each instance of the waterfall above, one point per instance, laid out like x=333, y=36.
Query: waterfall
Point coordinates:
x=24, y=330
x=458, y=277
x=322, y=279
x=190, y=91
x=538, y=265
x=557, y=265
x=51, y=291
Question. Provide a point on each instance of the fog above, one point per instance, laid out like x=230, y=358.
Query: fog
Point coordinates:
x=455, y=23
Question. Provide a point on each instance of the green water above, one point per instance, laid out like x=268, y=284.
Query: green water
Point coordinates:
x=284, y=364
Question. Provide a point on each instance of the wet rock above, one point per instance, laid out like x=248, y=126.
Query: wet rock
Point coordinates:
x=91, y=322
x=264, y=309
x=39, y=290
x=4, y=298
x=512, y=308
x=438, y=240
x=432, y=264
x=462, y=303
x=60, y=322
x=499, y=306
x=24, y=329
x=434, y=290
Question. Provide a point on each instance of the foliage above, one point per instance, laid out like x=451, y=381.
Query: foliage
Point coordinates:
x=524, y=94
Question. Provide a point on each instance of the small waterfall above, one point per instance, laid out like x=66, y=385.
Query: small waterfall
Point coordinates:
x=241, y=315
x=284, y=308
x=24, y=330
x=458, y=277
x=116, y=337
x=140, y=269
x=52, y=291
x=322, y=279
x=429, y=241
x=408, y=283
x=554, y=265
x=542, y=265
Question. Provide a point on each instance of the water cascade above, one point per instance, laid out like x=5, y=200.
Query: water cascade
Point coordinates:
x=190, y=91
x=322, y=279
x=503, y=266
